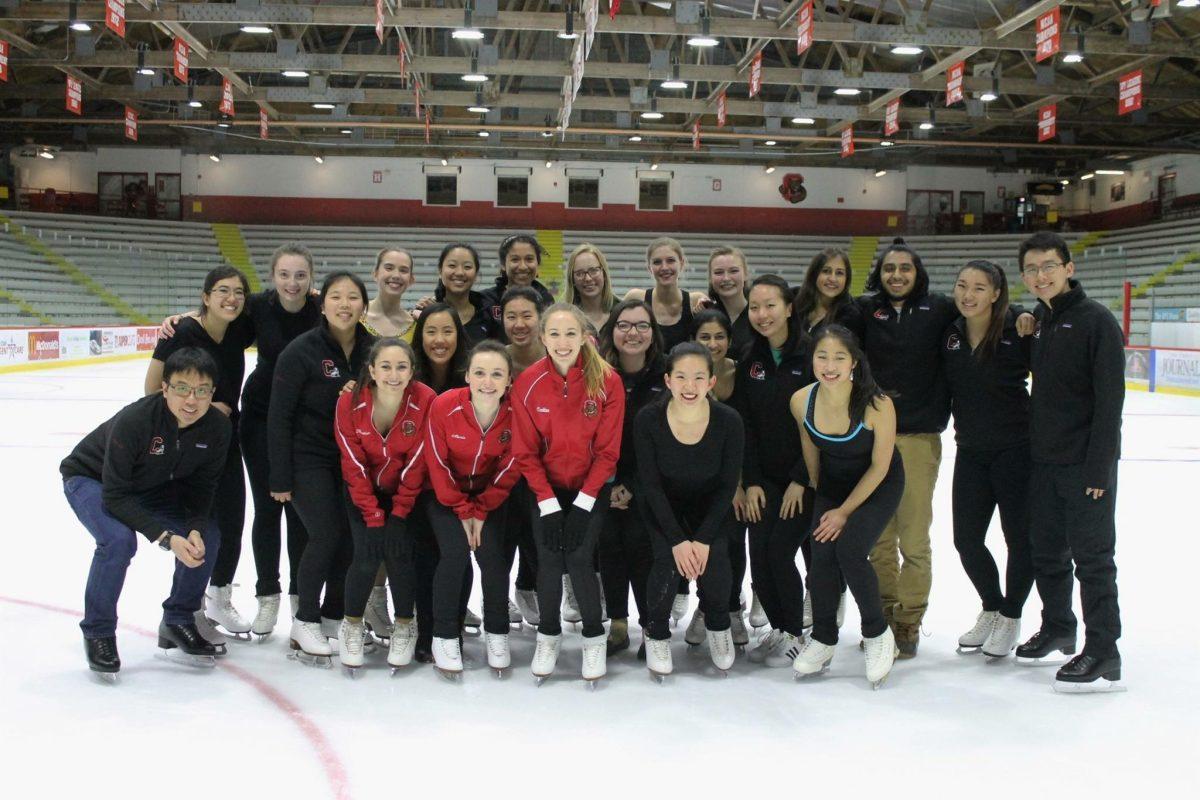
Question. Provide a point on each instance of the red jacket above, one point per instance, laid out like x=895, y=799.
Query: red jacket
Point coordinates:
x=563, y=438
x=472, y=470
x=373, y=463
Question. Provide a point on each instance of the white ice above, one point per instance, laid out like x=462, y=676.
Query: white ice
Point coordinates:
x=260, y=725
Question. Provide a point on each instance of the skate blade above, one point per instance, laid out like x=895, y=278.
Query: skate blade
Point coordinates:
x=500, y=673
x=964, y=650
x=240, y=636
x=353, y=673
x=449, y=675
x=877, y=685
x=993, y=657
x=540, y=679
x=176, y=656
x=310, y=660
x=798, y=675
x=259, y=638
x=1098, y=686
x=592, y=683
x=1055, y=659
x=105, y=678
x=659, y=677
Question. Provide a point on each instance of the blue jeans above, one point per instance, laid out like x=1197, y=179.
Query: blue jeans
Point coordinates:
x=116, y=544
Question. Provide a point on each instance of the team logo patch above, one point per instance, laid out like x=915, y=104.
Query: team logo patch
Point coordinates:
x=953, y=342
x=1037, y=332
x=757, y=372
x=330, y=368
x=496, y=313
x=157, y=448
x=505, y=436
x=881, y=314
x=590, y=408
x=409, y=427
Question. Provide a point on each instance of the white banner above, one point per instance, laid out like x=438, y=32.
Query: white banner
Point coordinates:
x=1177, y=369
x=28, y=345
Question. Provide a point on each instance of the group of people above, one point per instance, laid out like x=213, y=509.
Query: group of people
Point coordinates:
x=641, y=444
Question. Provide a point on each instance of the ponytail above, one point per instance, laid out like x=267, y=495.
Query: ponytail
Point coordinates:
x=991, y=338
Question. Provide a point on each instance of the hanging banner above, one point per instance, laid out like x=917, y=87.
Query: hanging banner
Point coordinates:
x=696, y=135
x=591, y=15
x=114, y=16
x=428, y=121
x=954, y=83
x=564, y=113
x=1047, y=119
x=182, y=51
x=417, y=99
x=379, y=20
x=3, y=61
x=226, y=106
x=722, y=110
x=1129, y=92
x=848, y=141
x=74, y=95
x=756, y=74
x=613, y=7
x=264, y=125
x=403, y=62
x=804, y=28
x=891, y=117
x=1048, y=38
x=131, y=120
x=576, y=69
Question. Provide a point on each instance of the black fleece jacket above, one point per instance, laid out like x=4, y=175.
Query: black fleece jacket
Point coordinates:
x=989, y=396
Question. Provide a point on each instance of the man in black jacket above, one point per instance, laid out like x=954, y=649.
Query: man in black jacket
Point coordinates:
x=152, y=468
x=1075, y=431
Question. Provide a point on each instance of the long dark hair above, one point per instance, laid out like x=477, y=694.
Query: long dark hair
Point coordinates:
x=795, y=327
x=865, y=390
x=458, y=362
x=365, y=381
x=439, y=290
x=608, y=348
x=506, y=245
x=218, y=274
x=808, y=297
x=875, y=281
x=995, y=273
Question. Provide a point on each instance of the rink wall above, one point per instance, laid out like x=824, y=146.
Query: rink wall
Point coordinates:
x=24, y=349
x=1162, y=369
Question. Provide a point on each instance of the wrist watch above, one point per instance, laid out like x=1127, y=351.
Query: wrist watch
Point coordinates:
x=164, y=541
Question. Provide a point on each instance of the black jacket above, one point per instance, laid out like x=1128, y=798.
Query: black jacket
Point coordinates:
x=492, y=296
x=275, y=327
x=989, y=397
x=142, y=451
x=309, y=376
x=485, y=324
x=641, y=389
x=1078, y=386
x=762, y=395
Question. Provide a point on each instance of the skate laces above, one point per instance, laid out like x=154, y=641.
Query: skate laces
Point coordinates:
x=354, y=636
x=497, y=644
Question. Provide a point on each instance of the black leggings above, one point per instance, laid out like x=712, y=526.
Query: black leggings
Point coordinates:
x=580, y=563
x=360, y=580
x=625, y=559
x=265, y=531
x=426, y=556
x=713, y=584
x=844, y=562
x=773, y=572
x=229, y=509
x=318, y=497
x=455, y=561
x=519, y=537
x=984, y=479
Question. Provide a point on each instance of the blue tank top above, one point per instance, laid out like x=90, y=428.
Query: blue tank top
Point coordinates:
x=844, y=458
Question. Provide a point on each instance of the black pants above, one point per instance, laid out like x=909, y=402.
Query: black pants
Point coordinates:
x=229, y=509
x=625, y=559
x=984, y=479
x=426, y=557
x=713, y=584
x=1067, y=525
x=845, y=561
x=265, y=533
x=773, y=572
x=360, y=580
x=580, y=563
x=519, y=537
x=737, y=566
x=318, y=496
x=454, y=571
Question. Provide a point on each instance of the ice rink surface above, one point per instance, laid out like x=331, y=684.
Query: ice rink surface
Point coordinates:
x=260, y=725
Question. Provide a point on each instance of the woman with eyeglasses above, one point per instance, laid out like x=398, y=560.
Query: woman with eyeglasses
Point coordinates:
x=224, y=332
x=520, y=259
x=589, y=285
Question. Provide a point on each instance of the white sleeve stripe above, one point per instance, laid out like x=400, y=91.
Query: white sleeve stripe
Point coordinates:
x=346, y=449
x=500, y=474
x=525, y=399
x=413, y=460
x=433, y=449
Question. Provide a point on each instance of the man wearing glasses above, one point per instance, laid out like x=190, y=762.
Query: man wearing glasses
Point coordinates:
x=1075, y=431
x=152, y=468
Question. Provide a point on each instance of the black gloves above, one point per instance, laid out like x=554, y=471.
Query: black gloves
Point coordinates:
x=575, y=528
x=552, y=531
x=394, y=533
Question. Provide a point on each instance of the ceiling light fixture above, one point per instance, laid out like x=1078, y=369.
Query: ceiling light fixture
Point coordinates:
x=907, y=50
x=549, y=164
x=654, y=165
x=927, y=125
x=475, y=76
x=673, y=83
x=652, y=115
x=886, y=143
x=847, y=91
x=295, y=73
x=879, y=173
x=1076, y=55
x=257, y=29
x=769, y=170
x=323, y=106
x=988, y=97
x=222, y=124
x=1087, y=177
x=803, y=121
x=468, y=31
x=635, y=138
x=484, y=134
x=770, y=142
x=568, y=31
x=705, y=38
x=46, y=154
x=478, y=109
x=445, y=163
x=213, y=157
x=347, y=131
x=319, y=159
x=1110, y=172
x=81, y=27
x=145, y=71
x=1065, y=182
x=195, y=104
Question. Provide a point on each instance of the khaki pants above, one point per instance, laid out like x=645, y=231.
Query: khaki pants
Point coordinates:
x=904, y=588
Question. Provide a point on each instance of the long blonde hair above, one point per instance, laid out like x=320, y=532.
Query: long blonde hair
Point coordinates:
x=607, y=299
x=595, y=368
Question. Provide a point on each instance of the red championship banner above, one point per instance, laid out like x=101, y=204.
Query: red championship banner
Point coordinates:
x=756, y=74
x=848, y=141
x=804, y=28
x=74, y=95
x=264, y=125
x=403, y=61
x=3, y=61
x=696, y=135
x=954, y=83
x=613, y=7
x=722, y=110
x=891, y=117
x=226, y=107
x=114, y=16
x=417, y=100
x=182, y=51
x=1048, y=36
x=1047, y=119
x=379, y=20
x=1129, y=92
x=131, y=120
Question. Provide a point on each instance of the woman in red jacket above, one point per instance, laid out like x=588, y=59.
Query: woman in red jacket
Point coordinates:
x=380, y=429
x=471, y=466
x=568, y=410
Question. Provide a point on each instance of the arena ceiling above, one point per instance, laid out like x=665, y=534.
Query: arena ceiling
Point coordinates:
x=328, y=85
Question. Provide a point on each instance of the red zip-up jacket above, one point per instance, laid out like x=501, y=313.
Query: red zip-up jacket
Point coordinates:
x=564, y=438
x=472, y=470
x=374, y=463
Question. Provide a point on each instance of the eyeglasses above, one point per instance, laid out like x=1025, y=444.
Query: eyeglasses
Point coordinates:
x=225, y=291
x=183, y=390
x=590, y=272
x=626, y=327
x=1045, y=269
